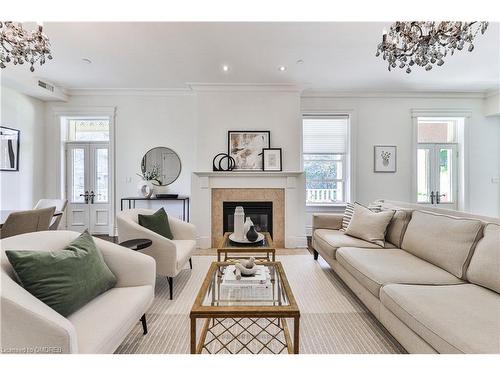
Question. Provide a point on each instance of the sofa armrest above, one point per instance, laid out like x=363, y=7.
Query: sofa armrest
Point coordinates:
x=31, y=326
x=130, y=267
x=327, y=221
x=182, y=230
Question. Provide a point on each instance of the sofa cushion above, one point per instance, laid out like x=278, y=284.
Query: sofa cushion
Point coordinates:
x=376, y=268
x=368, y=225
x=484, y=267
x=445, y=241
x=328, y=241
x=102, y=324
x=65, y=279
x=397, y=227
x=452, y=319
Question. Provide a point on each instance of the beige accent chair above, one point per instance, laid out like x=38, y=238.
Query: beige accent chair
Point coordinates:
x=171, y=255
x=30, y=326
x=27, y=221
x=436, y=284
x=59, y=204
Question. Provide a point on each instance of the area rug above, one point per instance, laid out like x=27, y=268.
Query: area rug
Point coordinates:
x=333, y=320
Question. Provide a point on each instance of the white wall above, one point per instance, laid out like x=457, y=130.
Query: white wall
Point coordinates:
x=142, y=121
x=22, y=189
x=387, y=121
x=220, y=111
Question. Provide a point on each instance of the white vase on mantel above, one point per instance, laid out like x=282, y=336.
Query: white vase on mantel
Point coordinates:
x=239, y=219
x=246, y=226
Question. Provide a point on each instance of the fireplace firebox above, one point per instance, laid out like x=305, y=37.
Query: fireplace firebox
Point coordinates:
x=261, y=214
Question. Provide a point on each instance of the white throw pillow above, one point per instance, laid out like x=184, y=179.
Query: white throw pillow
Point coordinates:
x=368, y=225
x=349, y=208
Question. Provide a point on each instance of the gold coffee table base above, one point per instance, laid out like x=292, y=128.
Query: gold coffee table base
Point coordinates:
x=227, y=249
x=245, y=336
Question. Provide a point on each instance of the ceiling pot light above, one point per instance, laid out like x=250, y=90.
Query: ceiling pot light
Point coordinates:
x=225, y=68
x=282, y=68
x=300, y=61
x=86, y=60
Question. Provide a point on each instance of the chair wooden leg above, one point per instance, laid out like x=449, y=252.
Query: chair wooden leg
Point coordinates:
x=171, y=285
x=315, y=254
x=144, y=324
x=190, y=263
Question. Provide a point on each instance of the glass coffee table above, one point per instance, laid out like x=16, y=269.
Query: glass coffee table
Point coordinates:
x=234, y=251
x=247, y=317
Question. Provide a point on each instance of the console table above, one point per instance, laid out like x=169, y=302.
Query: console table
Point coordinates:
x=184, y=199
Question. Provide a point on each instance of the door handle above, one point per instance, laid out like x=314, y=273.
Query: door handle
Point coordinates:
x=92, y=195
x=432, y=197
x=438, y=197
x=86, y=195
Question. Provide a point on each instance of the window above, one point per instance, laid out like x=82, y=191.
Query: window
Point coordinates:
x=437, y=160
x=325, y=153
x=88, y=129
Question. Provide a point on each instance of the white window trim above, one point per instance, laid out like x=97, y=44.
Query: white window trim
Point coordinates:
x=463, y=139
x=60, y=112
x=350, y=159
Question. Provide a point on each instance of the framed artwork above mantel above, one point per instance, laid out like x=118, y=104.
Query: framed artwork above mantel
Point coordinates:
x=245, y=147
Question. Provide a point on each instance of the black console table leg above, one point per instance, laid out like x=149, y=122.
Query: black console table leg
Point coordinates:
x=315, y=254
x=171, y=286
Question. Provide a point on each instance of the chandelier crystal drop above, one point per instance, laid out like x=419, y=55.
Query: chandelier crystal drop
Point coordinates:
x=425, y=43
x=19, y=46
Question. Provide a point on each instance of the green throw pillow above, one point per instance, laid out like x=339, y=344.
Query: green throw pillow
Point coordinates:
x=64, y=279
x=158, y=223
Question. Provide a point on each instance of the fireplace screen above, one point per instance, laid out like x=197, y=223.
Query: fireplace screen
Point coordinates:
x=261, y=214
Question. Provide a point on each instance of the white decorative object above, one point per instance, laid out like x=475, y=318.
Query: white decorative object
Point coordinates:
x=246, y=226
x=233, y=238
x=145, y=189
x=239, y=218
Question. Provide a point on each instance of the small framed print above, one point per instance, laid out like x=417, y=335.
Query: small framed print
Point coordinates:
x=384, y=159
x=272, y=159
x=9, y=149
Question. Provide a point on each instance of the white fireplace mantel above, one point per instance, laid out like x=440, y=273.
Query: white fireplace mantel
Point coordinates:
x=292, y=182
x=249, y=174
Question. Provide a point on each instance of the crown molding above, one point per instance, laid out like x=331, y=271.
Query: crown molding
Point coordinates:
x=274, y=87
x=394, y=94
x=130, y=92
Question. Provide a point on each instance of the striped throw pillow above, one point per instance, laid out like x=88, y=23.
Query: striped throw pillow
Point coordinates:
x=349, y=209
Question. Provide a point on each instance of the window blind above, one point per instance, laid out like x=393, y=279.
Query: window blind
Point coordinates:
x=325, y=134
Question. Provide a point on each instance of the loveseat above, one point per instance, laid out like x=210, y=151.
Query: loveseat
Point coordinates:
x=30, y=326
x=435, y=285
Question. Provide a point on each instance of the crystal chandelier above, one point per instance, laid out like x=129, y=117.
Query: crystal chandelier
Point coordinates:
x=425, y=43
x=19, y=45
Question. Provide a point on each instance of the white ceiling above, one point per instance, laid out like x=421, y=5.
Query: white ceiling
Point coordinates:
x=337, y=56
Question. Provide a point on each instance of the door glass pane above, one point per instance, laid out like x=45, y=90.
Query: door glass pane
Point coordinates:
x=78, y=175
x=101, y=193
x=423, y=174
x=436, y=130
x=445, y=175
x=88, y=129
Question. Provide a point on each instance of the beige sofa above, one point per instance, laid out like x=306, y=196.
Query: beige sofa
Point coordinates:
x=436, y=284
x=30, y=326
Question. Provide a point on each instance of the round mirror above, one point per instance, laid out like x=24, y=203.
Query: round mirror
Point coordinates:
x=162, y=164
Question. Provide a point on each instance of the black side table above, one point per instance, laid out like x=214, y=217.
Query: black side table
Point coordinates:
x=137, y=244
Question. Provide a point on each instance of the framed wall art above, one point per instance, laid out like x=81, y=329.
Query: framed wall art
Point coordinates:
x=272, y=159
x=245, y=147
x=9, y=149
x=384, y=159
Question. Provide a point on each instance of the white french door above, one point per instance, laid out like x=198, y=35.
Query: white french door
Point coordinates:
x=88, y=187
x=437, y=172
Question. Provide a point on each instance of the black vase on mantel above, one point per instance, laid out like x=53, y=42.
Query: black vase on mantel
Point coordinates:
x=252, y=234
